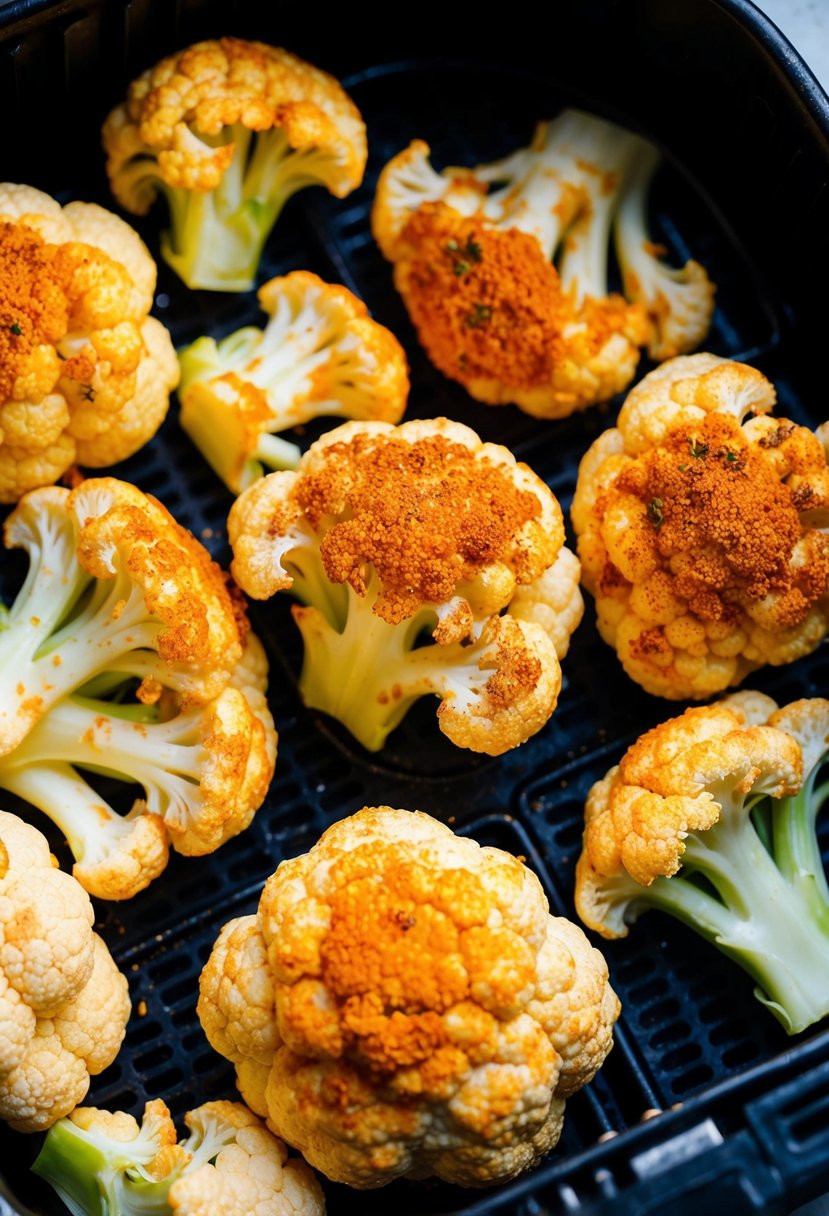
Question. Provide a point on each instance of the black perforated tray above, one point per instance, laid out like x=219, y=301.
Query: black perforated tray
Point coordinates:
x=704, y=1099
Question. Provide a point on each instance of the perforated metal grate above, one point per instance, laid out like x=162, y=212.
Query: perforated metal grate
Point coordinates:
x=690, y=1022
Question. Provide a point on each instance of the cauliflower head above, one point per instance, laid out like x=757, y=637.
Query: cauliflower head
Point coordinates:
x=404, y=1004
x=124, y=651
x=702, y=535
x=63, y=1003
x=320, y=354
x=101, y=1162
x=389, y=536
x=85, y=372
x=227, y=131
x=473, y=252
x=728, y=794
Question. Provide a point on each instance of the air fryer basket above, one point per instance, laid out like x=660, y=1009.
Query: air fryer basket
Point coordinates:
x=704, y=1099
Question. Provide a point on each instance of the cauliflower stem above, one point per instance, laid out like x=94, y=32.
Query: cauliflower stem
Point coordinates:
x=320, y=354
x=105, y=1164
x=751, y=879
x=216, y=237
x=768, y=910
x=65, y=627
x=371, y=695
x=367, y=673
x=209, y=424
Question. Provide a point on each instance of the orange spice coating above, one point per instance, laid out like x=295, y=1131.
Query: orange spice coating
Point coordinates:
x=431, y=1015
x=702, y=535
x=727, y=507
x=488, y=305
x=33, y=306
x=46, y=291
x=424, y=514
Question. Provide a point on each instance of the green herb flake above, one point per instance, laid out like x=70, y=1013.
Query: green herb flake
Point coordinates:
x=655, y=512
x=682, y=468
x=473, y=250
x=698, y=450
x=731, y=457
x=463, y=255
x=479, y=316
x=15, y=329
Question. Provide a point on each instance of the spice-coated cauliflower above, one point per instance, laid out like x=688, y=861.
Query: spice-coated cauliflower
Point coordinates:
x=85, y=373
x=228, y=130
x=703, y=537
x=390, y=536
x=63, y=1002
x=473, y=252
x=403, y=1003
x=105, y=1164
x=125, y=651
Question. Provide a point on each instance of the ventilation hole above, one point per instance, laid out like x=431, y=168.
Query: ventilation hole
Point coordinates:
x=693, y=1079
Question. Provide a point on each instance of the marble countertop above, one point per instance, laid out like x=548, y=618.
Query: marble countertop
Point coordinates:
x=806, y=25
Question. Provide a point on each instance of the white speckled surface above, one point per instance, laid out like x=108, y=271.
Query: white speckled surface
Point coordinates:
x=806, y=25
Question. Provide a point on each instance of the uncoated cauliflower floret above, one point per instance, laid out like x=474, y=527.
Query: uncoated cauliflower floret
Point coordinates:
x=403, y=1004
x=701, y=536
x=228, y=130
x=105, y=1164
x=320, y=354
x=85, y=373
x=63, y=1002
x=711, y=818
x=392, y=535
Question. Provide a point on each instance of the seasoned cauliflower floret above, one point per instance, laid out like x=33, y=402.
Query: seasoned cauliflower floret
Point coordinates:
x=473, y=253
x=392, y=535
x=403, y=1003
x=85, y=373
x=63, y=1002
x=703, y=536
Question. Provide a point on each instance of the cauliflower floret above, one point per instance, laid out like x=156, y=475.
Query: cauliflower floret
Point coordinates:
x=728, y=794
x=228, y=130
x=86, y=374
x=145, y=604
x=229, y=1165
x=319, y=355
x=411, y=1004
x=701, y=536
x=473, y=252
x=388, y=535
x=63, y=1002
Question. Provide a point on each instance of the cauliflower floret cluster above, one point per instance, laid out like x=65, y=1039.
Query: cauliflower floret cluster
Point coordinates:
x=319, y=355
x=63, y=1002
x=403, y=1004
x=125, y=651
x=703, y=536
x=473, y=252
x=103, y=1163
x=228, y=130
x=85, y=373
x=711, y=817
x=391, y=536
